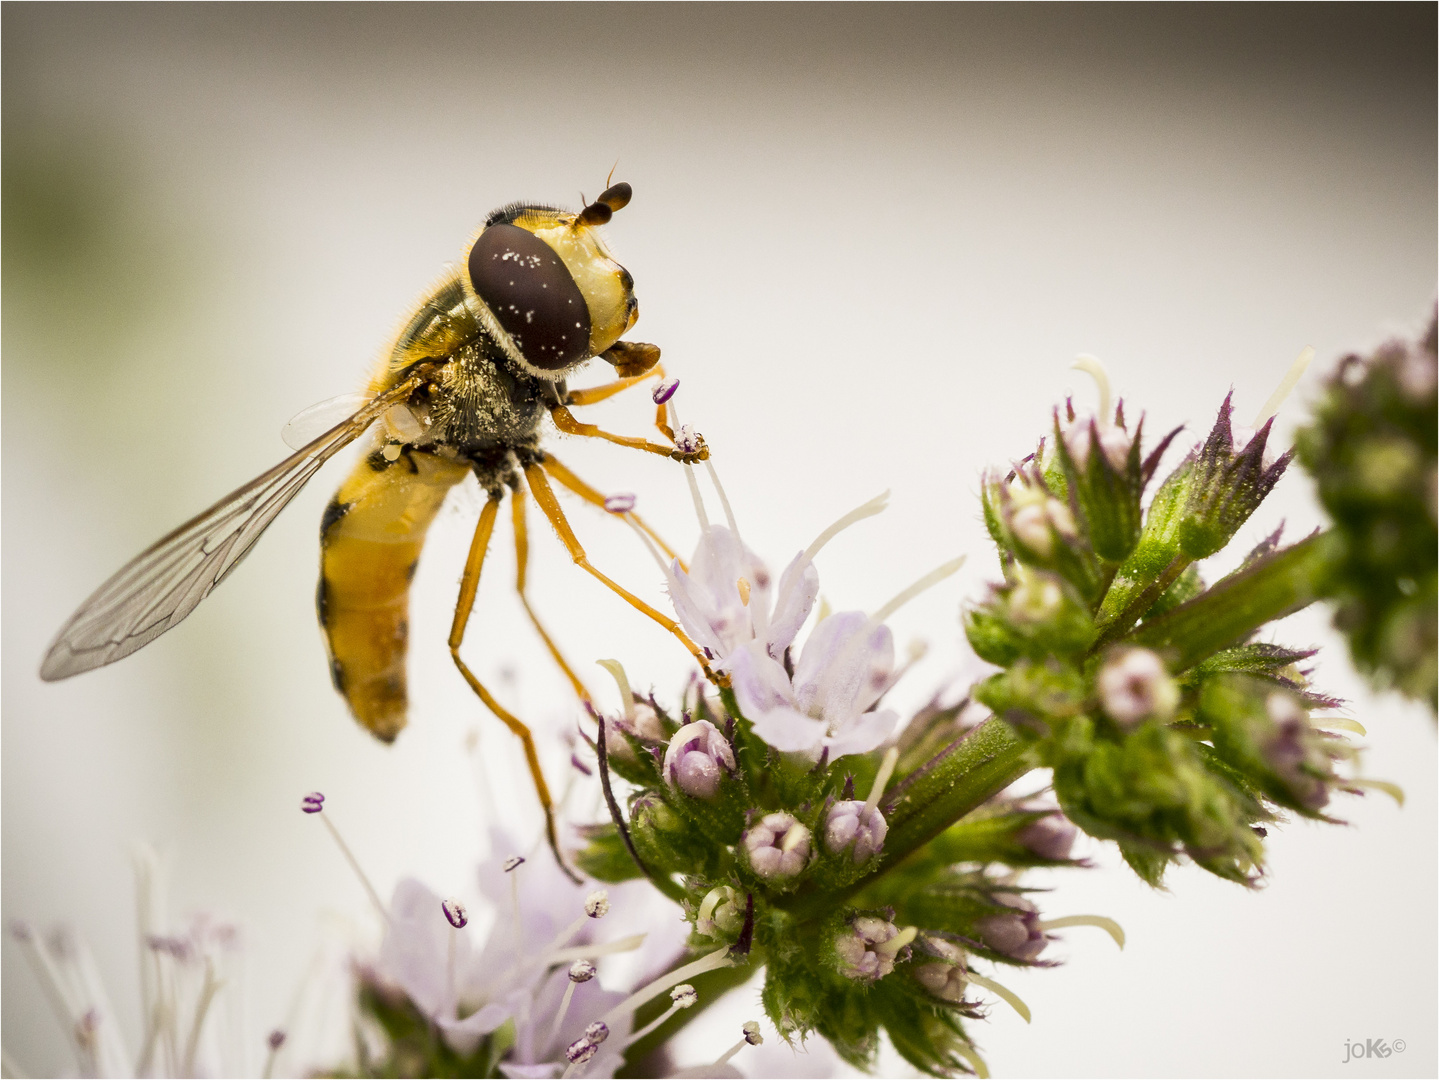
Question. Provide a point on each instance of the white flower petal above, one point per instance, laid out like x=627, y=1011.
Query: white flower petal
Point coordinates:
x=798, y=590
x=863, y=734
x=789, y=731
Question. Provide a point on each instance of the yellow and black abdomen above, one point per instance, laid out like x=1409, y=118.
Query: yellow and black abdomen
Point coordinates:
x=370, y=542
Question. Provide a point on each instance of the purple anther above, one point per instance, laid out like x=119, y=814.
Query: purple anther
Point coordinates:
x=512, y=862
x=597, y=904
x=580, y=1051
x=597, y=1032
x=276, y=1039
x=455, y=912
x=620, y=504
x=312, y=803
x=665, y=390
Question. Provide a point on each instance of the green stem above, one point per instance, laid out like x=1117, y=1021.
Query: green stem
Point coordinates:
x=1276, y=585
x=1120, y=624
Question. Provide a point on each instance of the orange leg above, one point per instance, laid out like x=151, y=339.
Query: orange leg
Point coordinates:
x=592, y=394
x=566, y=422
x=545, y=497
x=469, y=585
x=590, y=495
x=522, y=552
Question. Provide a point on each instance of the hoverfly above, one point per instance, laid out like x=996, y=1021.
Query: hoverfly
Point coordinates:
x=463, y=390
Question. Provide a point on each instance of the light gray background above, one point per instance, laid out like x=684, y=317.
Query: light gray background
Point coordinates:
x=869, y=241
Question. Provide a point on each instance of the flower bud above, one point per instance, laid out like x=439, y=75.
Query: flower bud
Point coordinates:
x=852, y=822
x=721, y=913
x=778, y=847
x=867, y=947
x=698, y=759
x=1049, y=837
x=1036, y=598
x=946, y=975
x=1015, y=933
x=1134, y=686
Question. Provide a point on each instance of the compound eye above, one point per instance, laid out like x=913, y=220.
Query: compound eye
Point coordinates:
x=532, y=295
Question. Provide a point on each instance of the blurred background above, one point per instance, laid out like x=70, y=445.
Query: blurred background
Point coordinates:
x=870, y=241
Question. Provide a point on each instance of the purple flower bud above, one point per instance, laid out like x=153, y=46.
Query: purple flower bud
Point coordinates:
x=1134, y=686
x=580, y=1051
x=697, y=759
x=620, y=504
x=778, y=847
x=597, y=1032
x=684, y=995
x=512, y=862
x=1081, y=434
x=664, y=391
x=946, y=975
x=868, y=946
x=276, y=1039
x=1291, y=752
x=454, y=912
x=312, y=803
x=853, y=822
x=597, y=904
x=1049, y=837
x=582, y=971
x=1015, y=934
x=752, y=1034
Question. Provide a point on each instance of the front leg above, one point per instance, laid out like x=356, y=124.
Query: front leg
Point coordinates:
x=689, y=451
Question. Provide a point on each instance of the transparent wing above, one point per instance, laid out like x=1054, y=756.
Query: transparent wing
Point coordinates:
x=163, y=584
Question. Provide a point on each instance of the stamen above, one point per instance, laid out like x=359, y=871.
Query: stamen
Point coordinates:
x=275, y=1040
x=664, y=391
x=724, y=499
x=621, y=503
x=1109, y=926
x=1285, y=387
x=881, y=779
x=752, y=1037
x=681, y=997
x=597, y=904
x=627, y=698
x=314, y=803
x=859, y=513
x=1004, y=992
x=202, y=1009
x=1394, y=791
x=695, y=494
x=593, y=952
x=581, y=971
x=934, y=577
x=709, y=962
x=743, y=587
x=454, y=913
x=899, y=941
x=1091, y=366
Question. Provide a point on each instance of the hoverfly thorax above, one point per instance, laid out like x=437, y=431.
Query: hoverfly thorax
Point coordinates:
x=544, y=284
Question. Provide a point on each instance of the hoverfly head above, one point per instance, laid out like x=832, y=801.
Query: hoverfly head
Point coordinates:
x=549, y=289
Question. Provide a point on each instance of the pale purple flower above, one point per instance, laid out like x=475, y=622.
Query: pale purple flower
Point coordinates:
x=867, y=947
x=778, y=847
x=1134, y=686
x=727, y=599
x=846, y=665
x=853, y=822
x=697, y=759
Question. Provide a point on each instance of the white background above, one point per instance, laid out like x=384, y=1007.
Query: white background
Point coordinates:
x=869, y=241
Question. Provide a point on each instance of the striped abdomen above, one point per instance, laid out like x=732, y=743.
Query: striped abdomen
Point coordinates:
x=370, y=542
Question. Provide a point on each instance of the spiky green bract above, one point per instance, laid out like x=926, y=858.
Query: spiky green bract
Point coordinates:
x=1371, y=450
x=1148, y=696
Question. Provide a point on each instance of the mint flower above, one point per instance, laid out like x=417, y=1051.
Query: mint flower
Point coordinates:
x=857, y=824
x=1133, y=686
x=844, y=668
x=867, y=948
x=778, y=847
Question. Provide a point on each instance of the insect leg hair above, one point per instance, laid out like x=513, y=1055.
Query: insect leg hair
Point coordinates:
x=469, y=585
